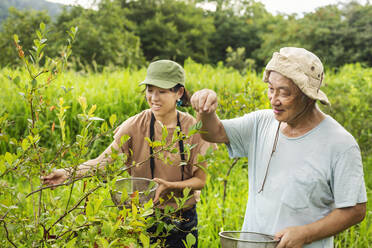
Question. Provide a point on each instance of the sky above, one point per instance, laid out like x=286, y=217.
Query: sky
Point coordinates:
x=273, y=6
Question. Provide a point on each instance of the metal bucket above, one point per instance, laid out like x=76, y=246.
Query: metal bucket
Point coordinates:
x=145, y=187
x=237, y=239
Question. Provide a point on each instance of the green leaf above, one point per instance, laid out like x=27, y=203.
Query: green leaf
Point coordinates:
x=148, y=140
x=34, y=83
x=71, y=243
x=2, y=166
x=107, y=228
x=186, y=191
x=83, y=103
x=39, y=35
x=9, y=158
x=145, y=240
x=190, y=239
x=104, y=127
x=17, y=80
x=42, y=26
x=89, y=210
x=15, y=38
x=164, y=133
x=124, y=195
x=112, y=120
x=124, y=139
x=25, y=144
x=80, y=220
x=92, y=109
x=104, y=242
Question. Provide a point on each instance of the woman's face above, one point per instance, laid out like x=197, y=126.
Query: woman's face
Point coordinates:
x=285, y=97
x=162, y=101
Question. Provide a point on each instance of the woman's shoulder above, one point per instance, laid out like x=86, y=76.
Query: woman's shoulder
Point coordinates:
x=134, y=123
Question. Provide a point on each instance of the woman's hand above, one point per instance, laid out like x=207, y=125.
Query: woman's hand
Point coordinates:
x=163, y=185
x=56, y=177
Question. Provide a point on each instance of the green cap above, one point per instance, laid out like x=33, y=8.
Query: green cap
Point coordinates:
x=164, y=74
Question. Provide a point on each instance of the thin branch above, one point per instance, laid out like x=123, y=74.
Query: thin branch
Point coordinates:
x=71, y=229
x=225, y=186
x=7, y=234
x=73, y=208
x=58, y=153
x=56, y=185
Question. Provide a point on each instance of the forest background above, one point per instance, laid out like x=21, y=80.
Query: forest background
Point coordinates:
x=132, y=33
x=224, y=50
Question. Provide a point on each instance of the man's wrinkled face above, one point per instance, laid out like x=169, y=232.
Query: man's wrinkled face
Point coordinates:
x=285, y=97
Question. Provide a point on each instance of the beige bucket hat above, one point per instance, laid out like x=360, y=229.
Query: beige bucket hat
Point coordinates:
x=301, y=66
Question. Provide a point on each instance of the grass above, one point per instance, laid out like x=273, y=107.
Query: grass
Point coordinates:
x=118, y=93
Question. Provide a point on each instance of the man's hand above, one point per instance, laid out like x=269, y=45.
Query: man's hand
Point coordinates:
x=292, y=237
x=204, y=101
x=56, y=177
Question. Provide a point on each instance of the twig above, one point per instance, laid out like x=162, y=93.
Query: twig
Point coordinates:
x=225, y=187
x=73, y=208
x=144, y=161
x=56, y=185
x=7, y=234
x=69, y=230
x=71, y=189
x=58, y=153
x=98, y=136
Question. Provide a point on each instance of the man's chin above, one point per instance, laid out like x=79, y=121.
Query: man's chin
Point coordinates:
x=279, y=117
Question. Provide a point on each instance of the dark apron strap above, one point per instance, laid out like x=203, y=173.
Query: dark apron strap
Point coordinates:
x=152, y=132
x=180, y=143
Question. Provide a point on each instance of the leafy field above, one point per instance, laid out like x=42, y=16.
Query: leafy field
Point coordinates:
x=116, y=92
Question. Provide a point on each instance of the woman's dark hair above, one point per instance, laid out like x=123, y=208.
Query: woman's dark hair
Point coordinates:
x=185, y=98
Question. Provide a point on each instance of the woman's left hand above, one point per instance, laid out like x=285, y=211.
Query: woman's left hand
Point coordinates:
x=163, y=185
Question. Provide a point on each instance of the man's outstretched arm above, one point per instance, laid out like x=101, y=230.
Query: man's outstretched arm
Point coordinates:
x=205, y=104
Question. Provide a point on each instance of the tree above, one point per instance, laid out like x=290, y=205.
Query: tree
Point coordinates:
x=104, y=37
x=358, y=36
x=238, y=26
x=53, y=8
x=171, y=29
x=25, y=23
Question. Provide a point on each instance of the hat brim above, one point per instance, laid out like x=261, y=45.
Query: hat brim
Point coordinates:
x=281, y=65
x=159, y=83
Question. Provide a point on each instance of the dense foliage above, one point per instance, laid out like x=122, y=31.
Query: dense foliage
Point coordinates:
x=117, y=92
x=54, y=9
x=126, y=33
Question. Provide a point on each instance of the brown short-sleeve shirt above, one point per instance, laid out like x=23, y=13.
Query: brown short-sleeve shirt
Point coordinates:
x=137, y=128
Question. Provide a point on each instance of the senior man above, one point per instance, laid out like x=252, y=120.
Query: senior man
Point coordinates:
x=305, y=170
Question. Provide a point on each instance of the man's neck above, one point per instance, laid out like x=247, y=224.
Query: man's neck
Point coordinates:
x=306, y=122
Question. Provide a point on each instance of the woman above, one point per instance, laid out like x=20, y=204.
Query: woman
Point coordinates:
x=165, y=82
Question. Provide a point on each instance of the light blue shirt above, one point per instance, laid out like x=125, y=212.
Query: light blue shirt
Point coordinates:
x=308, y=176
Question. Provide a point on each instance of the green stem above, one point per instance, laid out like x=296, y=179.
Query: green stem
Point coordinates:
x=7, y=234
x=73, y=208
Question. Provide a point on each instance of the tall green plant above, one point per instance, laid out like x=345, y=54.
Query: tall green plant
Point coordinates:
x=79, y=211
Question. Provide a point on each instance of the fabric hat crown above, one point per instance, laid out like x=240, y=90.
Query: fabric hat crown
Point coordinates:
x=301, y=66
x=164, y=74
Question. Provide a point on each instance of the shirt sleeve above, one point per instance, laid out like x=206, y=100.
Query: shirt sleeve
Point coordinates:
x=122, y=136
x=348, y=179
x=239, y=133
